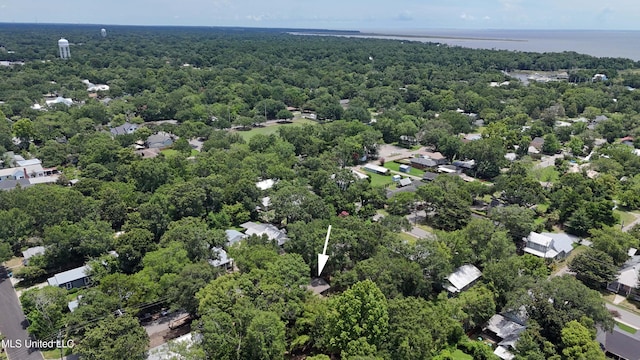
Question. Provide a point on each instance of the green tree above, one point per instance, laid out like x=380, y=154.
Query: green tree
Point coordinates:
x=517, y=220
x=114, y=339
x=594, y=267
x=551, y=144
x=191, y=279
x=578, y=343
x=265, y=337
x=44, y=308
x=613, y=242
x=24, y=130
x=359, y=312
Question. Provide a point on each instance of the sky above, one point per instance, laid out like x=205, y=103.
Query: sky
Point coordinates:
x=335, y=14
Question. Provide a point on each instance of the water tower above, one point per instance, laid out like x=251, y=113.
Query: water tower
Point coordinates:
x=63, y=46
x=103, y=32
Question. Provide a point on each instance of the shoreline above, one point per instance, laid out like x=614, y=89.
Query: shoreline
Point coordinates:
x=406, y=36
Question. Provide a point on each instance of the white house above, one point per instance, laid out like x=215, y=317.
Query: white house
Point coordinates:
x=628, y=279
x=549, y=245
x=462, y=279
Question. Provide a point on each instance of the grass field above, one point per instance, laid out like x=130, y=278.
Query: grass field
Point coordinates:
x=391, y=165
x=272, y=129
x=379, y=180
x=625, y=217
x=548, y=174
x=408, y=238
x=626, y=328
x=459, y=355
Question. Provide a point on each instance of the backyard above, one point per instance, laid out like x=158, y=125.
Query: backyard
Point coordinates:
x=271, y=128
x=392, y=165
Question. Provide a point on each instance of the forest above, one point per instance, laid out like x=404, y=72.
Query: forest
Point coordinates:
x=150, y=227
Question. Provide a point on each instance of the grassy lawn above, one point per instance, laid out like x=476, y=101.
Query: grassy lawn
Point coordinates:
x=626, y=328
x=272, y=129
x=391, y=165
x=169, y=152
x=548, y=174
x=459, y=355
x=378, y=180
x=625, y=217
x=408, y=238
x=55, y=353
x=426, y=228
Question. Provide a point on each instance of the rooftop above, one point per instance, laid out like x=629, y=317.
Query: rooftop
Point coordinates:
x=69, y=276
x=463, y=277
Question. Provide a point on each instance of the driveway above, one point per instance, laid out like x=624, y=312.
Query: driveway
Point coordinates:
x=13, y=324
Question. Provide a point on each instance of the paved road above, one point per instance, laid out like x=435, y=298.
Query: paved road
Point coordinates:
x=626, y=317
x=13, y=324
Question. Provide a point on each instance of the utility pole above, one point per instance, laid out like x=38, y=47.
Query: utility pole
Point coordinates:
x=60, y=343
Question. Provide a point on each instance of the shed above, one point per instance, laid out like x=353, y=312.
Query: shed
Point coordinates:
x=396, y=178
x=405, y=168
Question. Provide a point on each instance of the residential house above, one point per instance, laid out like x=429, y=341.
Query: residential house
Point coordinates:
x=436, y=156
x=376, y=169
x=31, y=171
x=272, y=232
x=549, y=245
x=71, y=279
x=628, y=280
x=411, y=187
x=627, y=140
x=318, y=286
x=266, y=184
x=148, y=153
x=471, y=137
x=124, y=129
x=234, y=237
x=31, y=252
x=406, y=140
x=619, y=344
x=429, y=176
x=537, y=142
x=462, y=279
x=59, y=100
x=465, y=165
x=448, y=169
x=160, y=140
x=504, y=332
x=222, y=260
x=422, y=163
x=599, y=77
x=12, y=184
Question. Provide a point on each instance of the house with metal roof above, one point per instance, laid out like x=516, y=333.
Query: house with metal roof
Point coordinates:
x=272, y=232
x=234, y=236
x=222, y=260
x=31, y=252
x=124, y=129
x=549, y=245
x=70, y=279
x=505, y=333
x=462, y=279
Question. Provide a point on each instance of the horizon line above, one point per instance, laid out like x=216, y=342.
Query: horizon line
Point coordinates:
x=362, y=29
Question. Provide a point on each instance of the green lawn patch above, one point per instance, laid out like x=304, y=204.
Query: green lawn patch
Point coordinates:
x=627, y=328
x=625, y=217
x=548, y=174
x=272, y=129
x=169, y=152
x=408, y=238
x=378, y=180
x=459, y=355
x=391, y=165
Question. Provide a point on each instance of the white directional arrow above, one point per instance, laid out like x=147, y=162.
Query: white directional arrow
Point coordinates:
x=323, y=258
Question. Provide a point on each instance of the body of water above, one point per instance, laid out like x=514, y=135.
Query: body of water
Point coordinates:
x=625, y=44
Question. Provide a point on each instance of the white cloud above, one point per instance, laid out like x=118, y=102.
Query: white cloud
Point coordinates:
x=465, y=16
